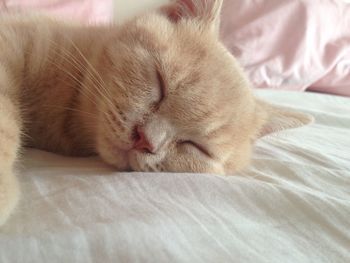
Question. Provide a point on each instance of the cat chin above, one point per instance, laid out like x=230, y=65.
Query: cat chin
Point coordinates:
x=112, y=154
x=115, y=157
x=122, y=160
x=134, y=163
x=118, y=160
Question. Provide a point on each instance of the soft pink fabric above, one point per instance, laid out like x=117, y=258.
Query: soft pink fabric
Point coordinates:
x=87, y=11
x=291, y=44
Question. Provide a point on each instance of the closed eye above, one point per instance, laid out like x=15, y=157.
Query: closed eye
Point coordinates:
x=197, y=146
x=161, y=84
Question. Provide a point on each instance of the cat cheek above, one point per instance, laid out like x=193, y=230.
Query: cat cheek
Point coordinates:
x=189, y=160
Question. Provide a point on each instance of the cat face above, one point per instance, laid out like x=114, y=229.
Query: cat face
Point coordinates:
x=175, y=99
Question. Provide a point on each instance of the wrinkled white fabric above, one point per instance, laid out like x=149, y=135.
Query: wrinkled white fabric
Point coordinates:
x=291, y=205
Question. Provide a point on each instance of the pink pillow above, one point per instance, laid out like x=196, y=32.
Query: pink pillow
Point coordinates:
x=291, y=44
x=87, y=11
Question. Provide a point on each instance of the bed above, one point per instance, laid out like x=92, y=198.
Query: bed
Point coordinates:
x=291, y=205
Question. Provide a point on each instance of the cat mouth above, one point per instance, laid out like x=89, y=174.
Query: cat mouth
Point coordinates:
x=124, y=155
x=126, y=159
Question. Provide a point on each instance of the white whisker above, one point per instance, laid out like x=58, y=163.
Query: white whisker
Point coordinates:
x=91, y=115
x=99, y=81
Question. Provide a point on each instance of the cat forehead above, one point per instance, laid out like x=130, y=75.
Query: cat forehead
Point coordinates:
x=155, y=22
x=156, y=27
x=188, y=58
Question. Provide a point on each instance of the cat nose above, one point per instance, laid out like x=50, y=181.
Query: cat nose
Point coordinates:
x=141, y=142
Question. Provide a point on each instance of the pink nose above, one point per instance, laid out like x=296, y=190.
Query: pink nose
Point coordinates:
x=141, y=142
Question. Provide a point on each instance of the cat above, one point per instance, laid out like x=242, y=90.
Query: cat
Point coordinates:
x=157, y=93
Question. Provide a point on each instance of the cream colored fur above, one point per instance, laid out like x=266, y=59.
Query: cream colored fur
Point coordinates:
x=84, y=90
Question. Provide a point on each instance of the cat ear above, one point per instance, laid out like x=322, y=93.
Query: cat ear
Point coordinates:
x=205, y=12
x=280, y=118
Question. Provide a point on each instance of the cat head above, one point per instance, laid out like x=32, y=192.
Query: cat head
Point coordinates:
x=176, y=100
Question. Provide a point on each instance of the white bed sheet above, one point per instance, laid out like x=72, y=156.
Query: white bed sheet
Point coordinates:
x=291, y=205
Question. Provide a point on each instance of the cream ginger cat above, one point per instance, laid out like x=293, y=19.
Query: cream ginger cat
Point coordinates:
x=158, y=93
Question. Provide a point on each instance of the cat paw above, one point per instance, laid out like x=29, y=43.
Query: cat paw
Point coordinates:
x=9, y=195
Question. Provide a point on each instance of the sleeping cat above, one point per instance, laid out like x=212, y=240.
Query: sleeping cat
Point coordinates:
x=158, y=93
